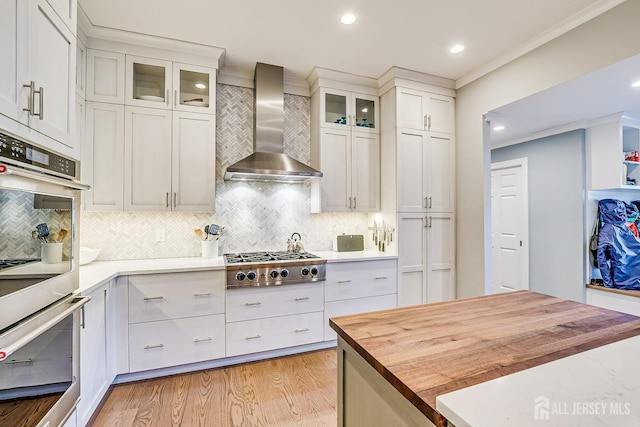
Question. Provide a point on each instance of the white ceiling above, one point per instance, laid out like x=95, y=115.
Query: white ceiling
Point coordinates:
x=301, y=34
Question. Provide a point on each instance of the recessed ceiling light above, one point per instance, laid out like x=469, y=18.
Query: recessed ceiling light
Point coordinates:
x=635, y=84
x=348, y=18
x=457, y=48
x=201, y=85
x=498, y=128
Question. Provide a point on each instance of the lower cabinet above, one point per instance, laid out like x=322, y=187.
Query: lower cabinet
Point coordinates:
x=358, y=287
x=96, y=373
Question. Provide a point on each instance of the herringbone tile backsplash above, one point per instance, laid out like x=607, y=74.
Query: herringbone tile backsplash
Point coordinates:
x=256, y=216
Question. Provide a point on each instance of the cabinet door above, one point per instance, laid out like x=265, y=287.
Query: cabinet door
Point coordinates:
x=440, y=257
x=194, y=89
x=365, y=178
x=440, y=113
x=103, y=157
x=51, y=53
x=148, y=82
x=335, y=160
x=78, y=133
x=105, y=76
x=412, y=178
x=10, y=44
x=364, y=113
x=94, y=364
x=194, y=162
x=411, y=113
x=67, y=10
x=81, y=67
x=335, y=108
x=147, y=159
x=412, y=256
x=440, y=173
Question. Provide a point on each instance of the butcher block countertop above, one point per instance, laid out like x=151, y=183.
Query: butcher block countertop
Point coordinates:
x=428, y=350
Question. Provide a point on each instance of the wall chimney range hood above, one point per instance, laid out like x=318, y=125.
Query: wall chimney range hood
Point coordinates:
x=268, y=161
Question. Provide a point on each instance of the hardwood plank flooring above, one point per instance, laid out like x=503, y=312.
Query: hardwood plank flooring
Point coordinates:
x=298, y=390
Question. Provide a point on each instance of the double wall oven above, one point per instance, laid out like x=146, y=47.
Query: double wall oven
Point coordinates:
x=40, y=316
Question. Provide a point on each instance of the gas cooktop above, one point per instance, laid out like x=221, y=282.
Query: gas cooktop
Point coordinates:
x=273, y=268
x=6, y=263
x=254, y=257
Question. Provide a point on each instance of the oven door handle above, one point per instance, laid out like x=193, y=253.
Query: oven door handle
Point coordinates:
x=26, y=332
x=46, y=178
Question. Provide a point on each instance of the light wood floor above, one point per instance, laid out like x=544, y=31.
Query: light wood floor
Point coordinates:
x=297, y=390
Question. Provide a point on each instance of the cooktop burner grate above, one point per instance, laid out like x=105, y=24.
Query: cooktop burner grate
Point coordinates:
x=6, y=263
x=253, y=257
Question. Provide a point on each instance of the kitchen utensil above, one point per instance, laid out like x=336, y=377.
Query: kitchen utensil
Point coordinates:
x=54, y=236
x=199, y=233
x=213, y=229
x=293, y=244
x=206, y=232
x=43, y=231
x=62, y=234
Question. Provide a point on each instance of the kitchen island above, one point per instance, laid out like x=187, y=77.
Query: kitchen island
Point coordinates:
x=394, y=364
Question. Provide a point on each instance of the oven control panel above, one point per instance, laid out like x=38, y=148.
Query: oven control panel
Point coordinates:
x=16, y=151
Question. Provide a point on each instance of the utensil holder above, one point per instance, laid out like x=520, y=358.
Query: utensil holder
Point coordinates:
x=209, y=249
x=51, y=253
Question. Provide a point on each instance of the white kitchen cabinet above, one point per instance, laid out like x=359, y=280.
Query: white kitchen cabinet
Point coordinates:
x=350, y=163
x=609, y=141
x=169, y=160
x=38, y=69
x=81, y=70
x=425, y=111
x=426, y=258
x=105, y=76
x=358, y=287
x=163, y=84
x=426, y=165
x=103, y=157
x=96, y=370
x=67, y=10
x=341, y=109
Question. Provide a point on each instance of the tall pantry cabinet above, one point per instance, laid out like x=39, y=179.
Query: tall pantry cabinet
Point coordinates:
x=150, y=127
x=418, y=145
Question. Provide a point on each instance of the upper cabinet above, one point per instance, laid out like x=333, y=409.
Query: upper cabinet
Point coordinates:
x=38, y=73
x=613, y=153
x=345, y=142
x=425, y=111
x=105, y=76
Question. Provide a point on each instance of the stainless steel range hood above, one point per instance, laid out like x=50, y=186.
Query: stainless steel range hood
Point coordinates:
x=268, y=161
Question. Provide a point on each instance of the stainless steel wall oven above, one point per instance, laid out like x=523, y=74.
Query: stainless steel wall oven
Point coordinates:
x=39, y=315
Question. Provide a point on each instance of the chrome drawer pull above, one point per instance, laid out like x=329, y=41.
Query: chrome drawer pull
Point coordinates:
x=202, y=294
x=344, y=281
x=301, y=299
x=153, y=298
x=302, y=330
x=15, y=362
x=381, y=278
x=203, y=339
x=149, y=347
x=255, y=337
x=251, y=304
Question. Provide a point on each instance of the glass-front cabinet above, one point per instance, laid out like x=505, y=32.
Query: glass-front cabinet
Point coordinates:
x=167, y=85
x=344, y=109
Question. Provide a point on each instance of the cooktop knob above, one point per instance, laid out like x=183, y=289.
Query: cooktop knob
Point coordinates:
x=240, y=276
x=284, y=272
x=314, y=270
x=305, y=271
x=251, y=275
x=273, y=274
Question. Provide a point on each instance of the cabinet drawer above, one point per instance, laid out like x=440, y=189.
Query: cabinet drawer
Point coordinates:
x=252, y=336
x=360, y=279
x=172, y=296
x=258, y=303
x=354, y=306
x=154, y=345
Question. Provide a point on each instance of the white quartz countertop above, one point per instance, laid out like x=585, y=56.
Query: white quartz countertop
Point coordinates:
x=599, y=387
x=37, y=268
x=99, y=272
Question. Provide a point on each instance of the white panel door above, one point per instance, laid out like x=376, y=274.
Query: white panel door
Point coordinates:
x=147, y=159
x=103, y=157
x=412, y=255
x=10, y=45
x=441, y=113
x=335, y=184
x=193, y=167
x=365, y=179
x=440, y=257
x=105, y=76
x=440, y=173
x=411, y=109
x=412, y=185
x=51, y=59
x=509, y=206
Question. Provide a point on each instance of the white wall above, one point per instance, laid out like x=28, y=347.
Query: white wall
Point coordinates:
x=605, y=40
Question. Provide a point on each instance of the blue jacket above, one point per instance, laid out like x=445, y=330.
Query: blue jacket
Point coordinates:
x=618, y=248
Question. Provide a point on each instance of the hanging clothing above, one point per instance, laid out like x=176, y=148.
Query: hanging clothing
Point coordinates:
x=618, y=247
